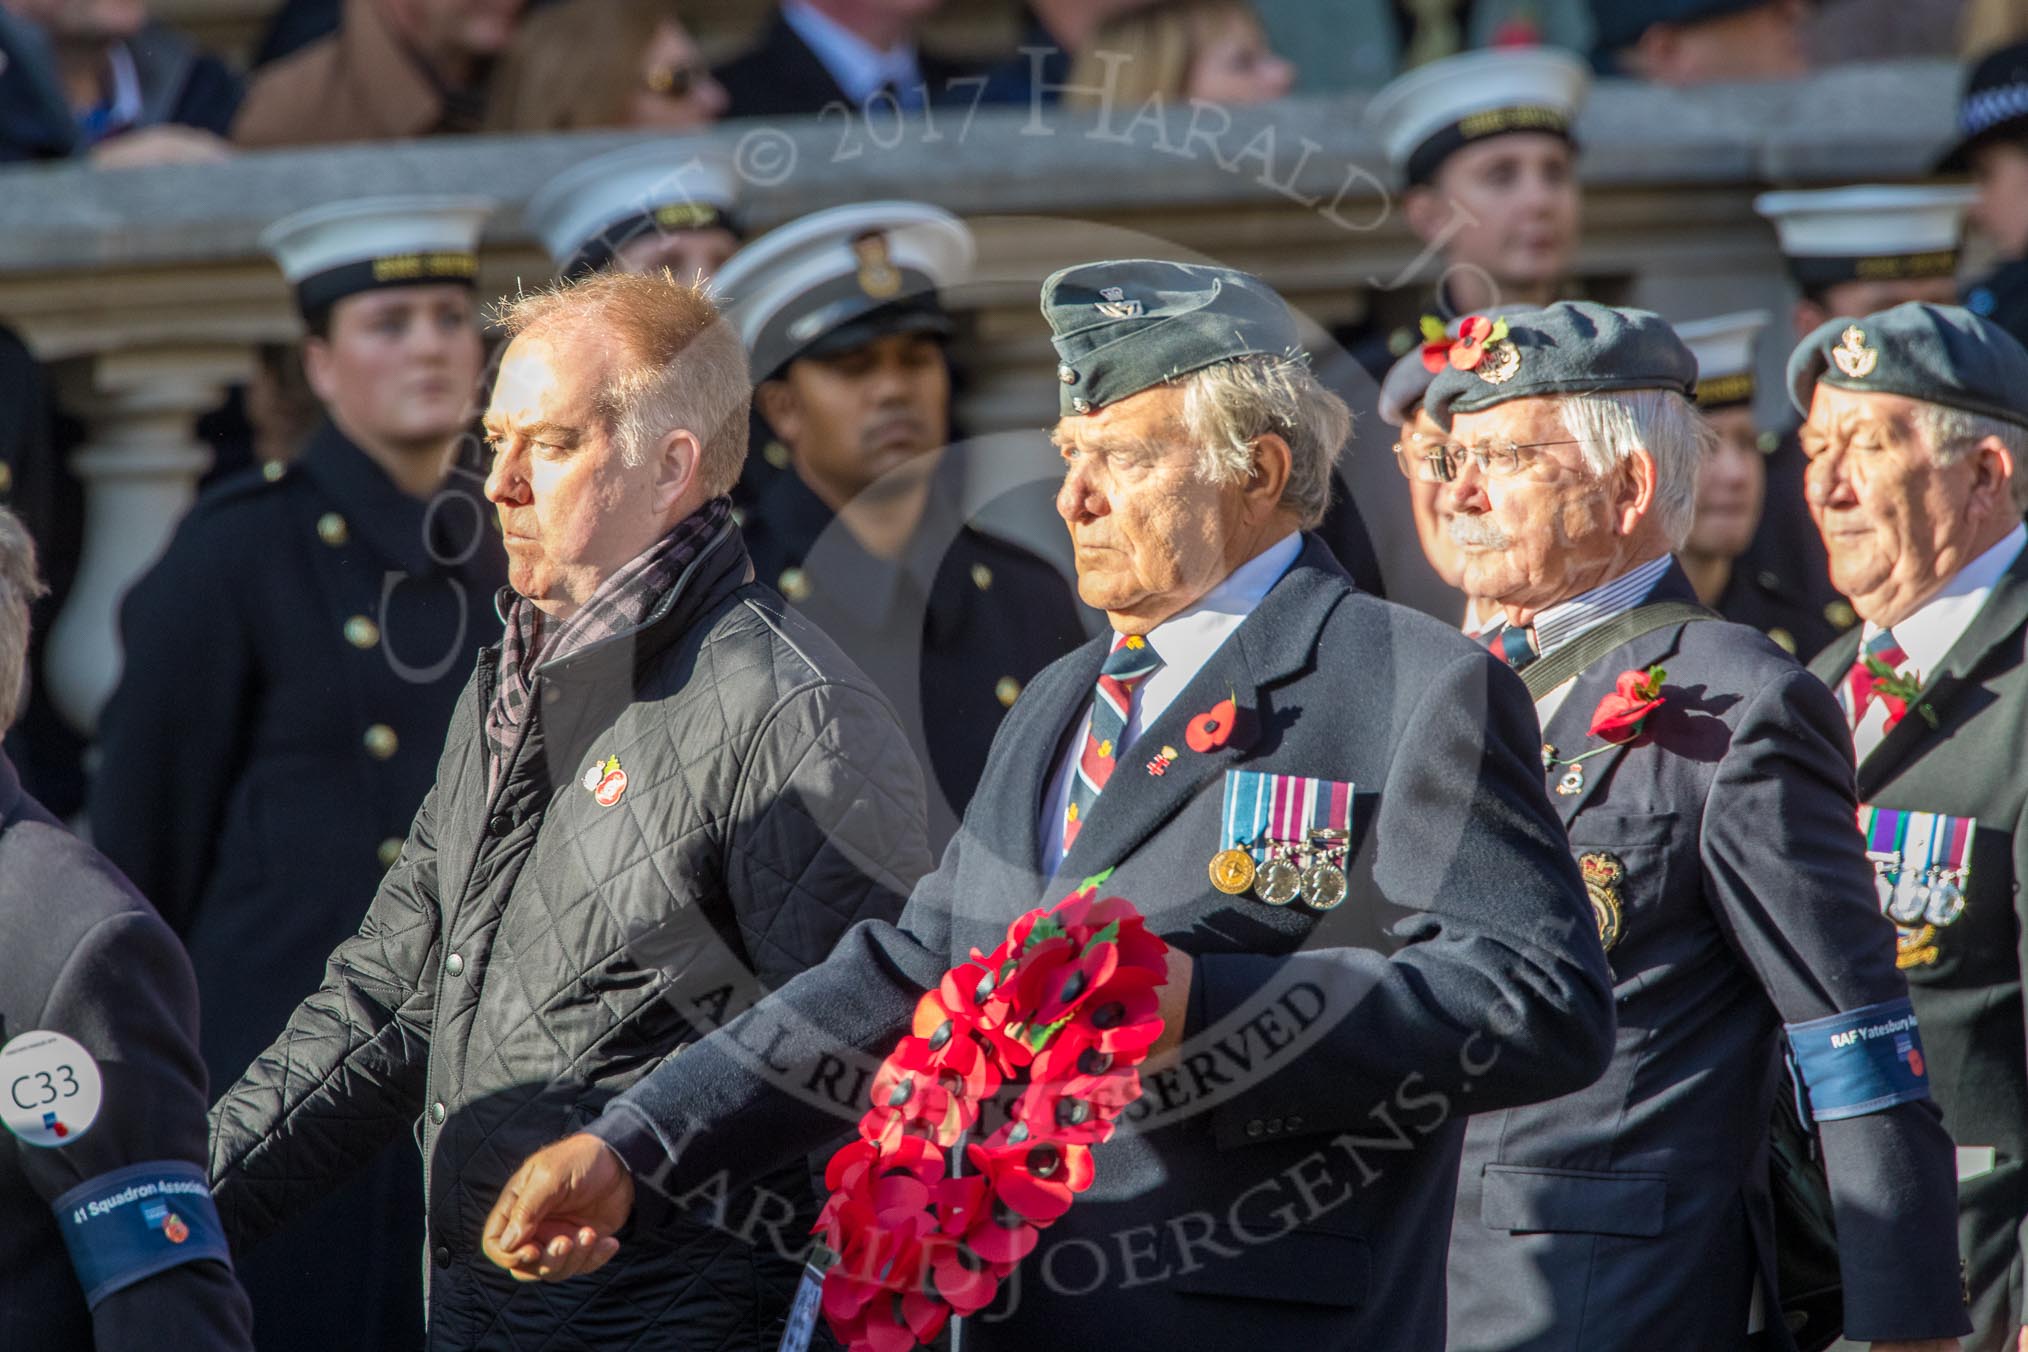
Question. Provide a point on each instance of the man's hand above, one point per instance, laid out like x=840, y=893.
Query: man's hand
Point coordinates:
x=168, y=143
x=1175, y=1002
x=556, y=1217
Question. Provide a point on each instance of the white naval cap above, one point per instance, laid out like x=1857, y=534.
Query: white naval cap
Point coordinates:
x=1433, y=110
x=330, y=252
x=585, y=214
x=839, y=278
x=1870, y=233
x=1723, y=347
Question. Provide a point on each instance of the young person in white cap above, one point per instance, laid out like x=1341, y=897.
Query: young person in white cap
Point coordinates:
x=291, y=666
x=646, y=207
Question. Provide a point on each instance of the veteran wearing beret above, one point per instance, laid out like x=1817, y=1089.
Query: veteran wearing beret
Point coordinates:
x=1916, y=437
x=291, y=666
x=1706, y=789
x=1250, y=711
x=863, y=527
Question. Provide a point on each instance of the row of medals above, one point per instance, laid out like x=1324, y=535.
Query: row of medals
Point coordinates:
x=1311, y=871
x=1932, y=896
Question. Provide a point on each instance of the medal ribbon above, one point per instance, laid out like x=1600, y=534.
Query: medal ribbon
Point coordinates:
x=1262, y=810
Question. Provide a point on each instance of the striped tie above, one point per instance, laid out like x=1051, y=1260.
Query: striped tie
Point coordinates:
x=1513, y=644
x=1131, y=662
x=1864, y=683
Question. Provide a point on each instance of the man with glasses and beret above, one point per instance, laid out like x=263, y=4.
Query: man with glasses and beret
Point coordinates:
x=1265, y=1190
x=1705, y=785
x=1916, y=437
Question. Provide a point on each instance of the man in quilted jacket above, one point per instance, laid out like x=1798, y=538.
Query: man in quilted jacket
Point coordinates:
x=661, y=795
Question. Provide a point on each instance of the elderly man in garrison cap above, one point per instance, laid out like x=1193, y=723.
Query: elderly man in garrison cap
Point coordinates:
x=1707, y=792
x=660, y=795
x=1287, y=1175
x=1916, y=440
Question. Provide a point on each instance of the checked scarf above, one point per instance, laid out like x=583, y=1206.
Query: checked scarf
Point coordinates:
x=622, y=602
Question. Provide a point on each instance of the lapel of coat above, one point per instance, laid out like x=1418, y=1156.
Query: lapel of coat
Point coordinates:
x=1273, y=642
x=1569, y=729
x=1997, y=622
x=1034, y=734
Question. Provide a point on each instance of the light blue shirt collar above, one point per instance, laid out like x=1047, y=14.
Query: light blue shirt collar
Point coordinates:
x=858, y=67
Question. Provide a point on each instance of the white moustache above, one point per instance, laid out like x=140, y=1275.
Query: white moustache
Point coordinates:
x=1478, y=532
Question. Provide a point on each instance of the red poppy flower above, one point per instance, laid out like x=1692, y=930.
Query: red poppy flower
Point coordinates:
x=1209, y=731
x=954, y=1049
x=1037, y=1180
x=1470, y=348
x=1635, y=695
x=970, y=993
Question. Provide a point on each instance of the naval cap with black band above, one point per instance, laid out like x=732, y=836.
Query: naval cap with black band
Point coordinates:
x=344, y=248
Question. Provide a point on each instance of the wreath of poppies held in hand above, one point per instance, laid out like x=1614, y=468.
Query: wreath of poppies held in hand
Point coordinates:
x=1467, y=350
x=1067, y=1002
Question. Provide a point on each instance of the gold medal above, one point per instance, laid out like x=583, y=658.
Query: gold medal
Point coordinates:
x=1232, y=871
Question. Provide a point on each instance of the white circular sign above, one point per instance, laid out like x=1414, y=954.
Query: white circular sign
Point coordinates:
x=49, y=1088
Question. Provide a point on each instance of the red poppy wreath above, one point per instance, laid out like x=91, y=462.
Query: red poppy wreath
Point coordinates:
x=1065, y=1010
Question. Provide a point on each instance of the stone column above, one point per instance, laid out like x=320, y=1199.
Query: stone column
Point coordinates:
x=139, y=470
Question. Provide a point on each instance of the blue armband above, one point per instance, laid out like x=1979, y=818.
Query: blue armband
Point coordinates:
x=1858, y=1062
x=128, y=1225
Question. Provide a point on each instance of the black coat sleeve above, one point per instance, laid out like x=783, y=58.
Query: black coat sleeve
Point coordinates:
x=127, y=994
x=1786, y=867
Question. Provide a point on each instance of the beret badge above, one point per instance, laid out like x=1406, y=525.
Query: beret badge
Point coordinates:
x=1852, y=355
x=1481, y=347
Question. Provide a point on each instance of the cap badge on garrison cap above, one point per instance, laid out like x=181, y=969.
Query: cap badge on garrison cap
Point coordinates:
x=878, y=277
x=1854, y=358
x=1116, y=305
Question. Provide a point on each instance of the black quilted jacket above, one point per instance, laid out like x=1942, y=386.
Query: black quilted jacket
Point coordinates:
x=697, y=810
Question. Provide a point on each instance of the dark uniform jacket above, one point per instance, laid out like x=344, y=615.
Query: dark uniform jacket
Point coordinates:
x=83, y=955
x=1721, y=848
x=781, y=77
x=291, y=665
x=2002, y=296
x=1288, y=1183
x=1781, y=585
x=699, y=804
x=950, y=633
x=1966, y=976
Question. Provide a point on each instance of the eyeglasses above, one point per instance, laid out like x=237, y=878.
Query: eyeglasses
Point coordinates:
x=674, y=82
x=1440, y=462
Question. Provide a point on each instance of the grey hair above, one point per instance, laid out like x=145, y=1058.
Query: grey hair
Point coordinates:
x=19, y=587
x=1951, y=432
x=1231, y=404
x=1663, y=423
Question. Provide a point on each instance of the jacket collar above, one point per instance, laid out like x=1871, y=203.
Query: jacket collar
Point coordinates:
x=406, y=99
x=391, y=522
x=1277, y=640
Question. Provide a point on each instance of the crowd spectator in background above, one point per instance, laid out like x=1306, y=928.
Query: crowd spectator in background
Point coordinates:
x=1213, y=50
x=604, y=63
x=1052, y=33
x=394, y=69
x=1993, y=124
x=97, y=78
x=1361, y=44
x=815, y=52
x=1693, y=42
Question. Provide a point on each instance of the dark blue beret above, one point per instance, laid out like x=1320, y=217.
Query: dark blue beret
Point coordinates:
x=1127, y=324
x=1940, y=354
x=1571, y=347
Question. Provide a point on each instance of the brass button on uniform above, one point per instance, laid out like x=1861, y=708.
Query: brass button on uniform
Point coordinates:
x=793, y=584
x=6, y=476
x=381, y=742
x=1007, y=690
x=361, y=632
x=1783, y=639
x=455, y=965
x=332, y=530
x=776, y=454
x=389, y=851
x=1841, y=614
x=273, y=471
x=982, y=577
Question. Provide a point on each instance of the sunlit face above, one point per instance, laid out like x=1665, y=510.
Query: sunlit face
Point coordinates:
x=687, y=253
x=1731, y=483
x=1896, y=524
x=1150, y=533
x=1526, y=540
x=854, y=419
x=1507, y=205
x=1431, y=505
x=677, y=91
x=1761, y=43
x=1235, y=65
x=474, y=27
x=399, y=367
x=2001, y=210
x=572, y=511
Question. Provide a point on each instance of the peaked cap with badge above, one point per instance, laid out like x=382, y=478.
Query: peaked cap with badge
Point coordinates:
x=1127, y=324
x=1571, y=347
x=837, y=279
x=1723, y=349
x=589, y=212
x=1940, y=354
x=343, y=248
x=1867, y=233
x=1434, y=110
